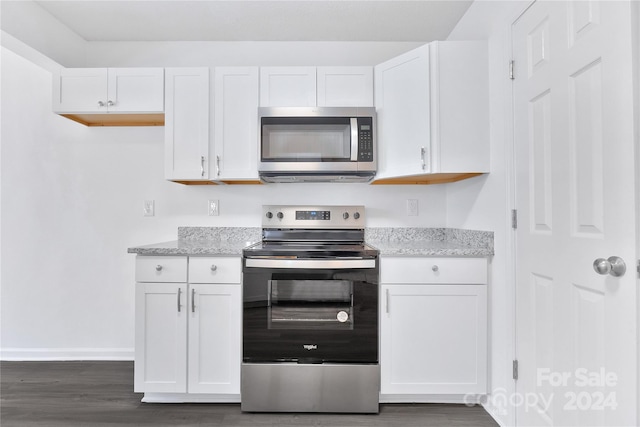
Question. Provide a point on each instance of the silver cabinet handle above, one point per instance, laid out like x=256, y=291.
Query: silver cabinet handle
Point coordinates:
x=193, y=300
x=217, y=165
x=214, y=267
x=110, y=103
x=387, y=301
x=100, y=104
x=614, y=266
x=423, y=153
x=201, y=165
x=434, y=268
x=158, y=267
x=179, y=295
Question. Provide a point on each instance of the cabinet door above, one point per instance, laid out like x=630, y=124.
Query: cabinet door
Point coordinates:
x=78, y=90
x=214, y=338
x=433, y=339
x=402, y=97
x=460, y=106
x=161, y=338
x=136, y=90
x=288, y=87
x=345, y=86
x=236, y=123
x=187, y=124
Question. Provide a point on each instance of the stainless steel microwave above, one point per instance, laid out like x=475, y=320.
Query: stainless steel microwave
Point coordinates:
x=336, y=144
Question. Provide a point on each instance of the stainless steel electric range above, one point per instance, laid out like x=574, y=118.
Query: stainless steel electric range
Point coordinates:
x=310, y=313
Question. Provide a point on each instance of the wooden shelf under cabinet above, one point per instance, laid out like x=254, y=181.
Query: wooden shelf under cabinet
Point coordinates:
x=112, y=119
x=436, y=178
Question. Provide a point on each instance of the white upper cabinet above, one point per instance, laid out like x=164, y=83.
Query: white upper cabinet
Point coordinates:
x=187, y=124
x=136, y=90
x=316, y=87
x=236, y=123
x=433, y=113
x=109, y=90
x=345, y=86
x=288, y=86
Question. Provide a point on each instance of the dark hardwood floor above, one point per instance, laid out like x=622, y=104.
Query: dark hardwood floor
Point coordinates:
x=73, y=394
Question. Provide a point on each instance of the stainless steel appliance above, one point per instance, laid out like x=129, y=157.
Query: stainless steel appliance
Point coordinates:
x=317, y=144
x=310, y=313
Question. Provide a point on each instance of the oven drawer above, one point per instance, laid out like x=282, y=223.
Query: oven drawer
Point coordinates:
x=463, y=271
x=161, y=269
x=214, y=269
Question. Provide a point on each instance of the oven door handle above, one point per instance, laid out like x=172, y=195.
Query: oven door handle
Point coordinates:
x=312, y=264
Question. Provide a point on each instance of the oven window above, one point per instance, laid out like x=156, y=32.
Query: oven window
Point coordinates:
x=296, y=141
x=310, y=304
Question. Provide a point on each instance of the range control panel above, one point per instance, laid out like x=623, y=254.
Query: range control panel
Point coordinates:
x=290, y=216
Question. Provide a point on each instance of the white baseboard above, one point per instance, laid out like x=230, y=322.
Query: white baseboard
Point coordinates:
x=189, y=398
x=430, y=398
x=60, y=354
x=497, y=414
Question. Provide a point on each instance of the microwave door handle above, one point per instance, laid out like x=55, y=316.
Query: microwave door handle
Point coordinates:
x=354, y=139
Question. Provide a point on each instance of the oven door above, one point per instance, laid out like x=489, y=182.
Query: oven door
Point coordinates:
x=310, y=310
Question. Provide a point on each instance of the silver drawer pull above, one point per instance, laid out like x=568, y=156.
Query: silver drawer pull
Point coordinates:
x=193, y=300
x=434, y=268
x=179, y=295
x=387, y=300
x=158, y=267
x=214, y=267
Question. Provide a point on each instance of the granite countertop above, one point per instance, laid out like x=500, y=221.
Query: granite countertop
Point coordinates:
x=204, y=241
x=390, y=241
x=413, y=241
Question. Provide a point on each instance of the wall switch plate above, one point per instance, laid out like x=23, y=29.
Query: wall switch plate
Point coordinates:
x=412, y=207
x=149, y=208
x=213, y=208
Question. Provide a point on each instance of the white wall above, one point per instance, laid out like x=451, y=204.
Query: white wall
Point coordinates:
x=486, y=203
x=72, y=200
x=211, y=54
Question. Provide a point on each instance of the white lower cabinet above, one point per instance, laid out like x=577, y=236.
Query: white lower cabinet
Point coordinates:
x=188, y=335
x=433, y=324
x=161, y=338
x=214, y=339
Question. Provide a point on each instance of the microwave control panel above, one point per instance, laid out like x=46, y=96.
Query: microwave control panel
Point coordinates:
x=365, y=139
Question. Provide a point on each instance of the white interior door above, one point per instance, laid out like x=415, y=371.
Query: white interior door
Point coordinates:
x=577, y=332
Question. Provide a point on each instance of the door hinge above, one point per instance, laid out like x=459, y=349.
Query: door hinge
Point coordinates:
x=511, y=75
x=514, y=218
x=515, y=369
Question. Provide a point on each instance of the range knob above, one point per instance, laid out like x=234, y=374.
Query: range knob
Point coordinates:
x=345, y=215
x=356, y=215
x=280, y=215
x=269, y=215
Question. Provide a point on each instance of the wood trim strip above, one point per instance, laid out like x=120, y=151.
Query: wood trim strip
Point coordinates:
x=436, y=178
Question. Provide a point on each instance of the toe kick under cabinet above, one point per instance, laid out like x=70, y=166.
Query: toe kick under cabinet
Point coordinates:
x=433, y=325
x=188, y=328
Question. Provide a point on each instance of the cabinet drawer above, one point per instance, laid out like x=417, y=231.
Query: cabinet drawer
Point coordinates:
x=464, y=271
x=214, y=269
x=161, y=269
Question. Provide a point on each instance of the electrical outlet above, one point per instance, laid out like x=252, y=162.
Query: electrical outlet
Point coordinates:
x=412, y=207
x=149, y=208
x=213, y=208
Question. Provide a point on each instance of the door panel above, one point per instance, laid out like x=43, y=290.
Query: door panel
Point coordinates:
x=576, y=200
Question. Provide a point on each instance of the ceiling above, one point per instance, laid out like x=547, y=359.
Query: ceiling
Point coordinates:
x=259, y=20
